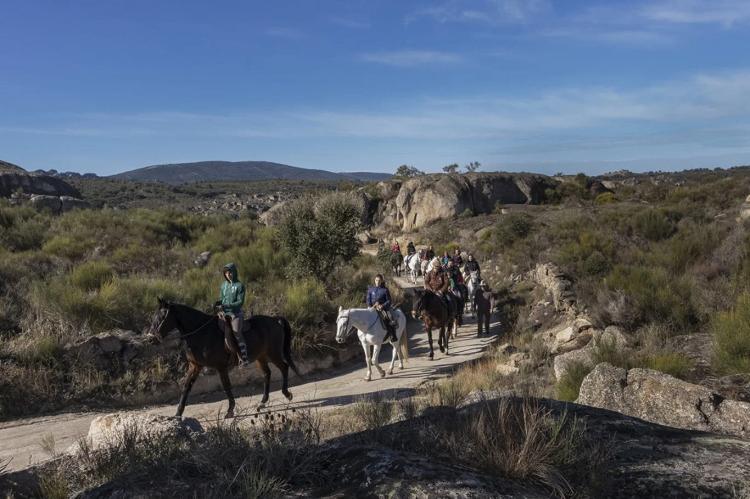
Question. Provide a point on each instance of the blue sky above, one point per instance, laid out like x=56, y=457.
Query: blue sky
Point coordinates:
x=539, y=85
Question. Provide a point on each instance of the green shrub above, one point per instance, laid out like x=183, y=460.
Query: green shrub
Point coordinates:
x=569, y=385
x=653, y=225
x=320, y=233
x=672, y=363
x=605, y=198
x=68, y=247
x=731, y=331
x=306, y=302
x=656, y=296
x=92, y=275
x=513, y=227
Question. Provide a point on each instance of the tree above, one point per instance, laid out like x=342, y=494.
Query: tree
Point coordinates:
x=320, y=233
x=452, y=168
x=406, y=171
x=473, y=166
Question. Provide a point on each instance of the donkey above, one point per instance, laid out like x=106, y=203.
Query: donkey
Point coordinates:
x=267, y=339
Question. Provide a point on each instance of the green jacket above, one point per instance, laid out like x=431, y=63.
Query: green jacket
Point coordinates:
x=232, y=294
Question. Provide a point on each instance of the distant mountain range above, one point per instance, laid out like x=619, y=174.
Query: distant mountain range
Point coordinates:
x=217, y=171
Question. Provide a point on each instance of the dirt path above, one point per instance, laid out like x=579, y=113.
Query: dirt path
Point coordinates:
x=21, y=439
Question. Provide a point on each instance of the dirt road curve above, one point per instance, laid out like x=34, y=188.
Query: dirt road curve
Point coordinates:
x=21, y=439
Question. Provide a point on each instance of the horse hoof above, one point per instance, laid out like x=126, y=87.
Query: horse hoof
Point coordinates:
x=442, y=350
x=260, y=406
x=229, y=415
x=288, y=396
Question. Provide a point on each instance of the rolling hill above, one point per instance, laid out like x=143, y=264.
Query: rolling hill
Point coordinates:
x=220, y=171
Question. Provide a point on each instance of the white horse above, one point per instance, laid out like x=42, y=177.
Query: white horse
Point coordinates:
x=411, y=262
x=371, y=332
x=472, y=284
x=425, y=263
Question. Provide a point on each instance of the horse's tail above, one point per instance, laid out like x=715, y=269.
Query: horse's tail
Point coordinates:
x=403, y=344
x=287, y=349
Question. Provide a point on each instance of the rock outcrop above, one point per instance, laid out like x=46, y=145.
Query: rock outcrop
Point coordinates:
x=647, y=460
x=660, y=398
x=57, y=204
x=745, y=209
x=16, y=179
x=419, y=201
x=111, y=428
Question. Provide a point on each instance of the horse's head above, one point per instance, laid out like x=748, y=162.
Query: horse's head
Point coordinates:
x=343, y=328
x=163, y=320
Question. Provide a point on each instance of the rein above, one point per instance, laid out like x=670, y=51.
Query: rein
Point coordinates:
x=184, y=335
x=348, y=329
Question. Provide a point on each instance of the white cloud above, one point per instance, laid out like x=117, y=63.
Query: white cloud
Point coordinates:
x=702, y=102
x=408, y=58
x=485, y=11
x=724, y=12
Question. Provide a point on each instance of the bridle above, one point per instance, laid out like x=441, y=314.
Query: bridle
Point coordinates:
x=182, y=335
x=350, y=329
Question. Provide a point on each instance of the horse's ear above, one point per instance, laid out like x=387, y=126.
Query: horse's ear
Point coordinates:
x=340, y=309
x=161, y=300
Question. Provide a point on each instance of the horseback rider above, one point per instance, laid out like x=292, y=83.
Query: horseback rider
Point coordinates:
x=379, y=298
x=430, y=253
x=410, y=249
x=457, y=258
x=454, y=274
x=438, y=281
x=445, y=259
x=395, y=247
x=472, y=266
x=231, y=299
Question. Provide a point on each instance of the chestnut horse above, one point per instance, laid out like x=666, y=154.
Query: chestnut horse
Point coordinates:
x=268, y=339
x=431, y=309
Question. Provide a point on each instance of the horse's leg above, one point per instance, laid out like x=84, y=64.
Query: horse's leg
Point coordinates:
x=366, y=348
x=441, y=337
x=396, y=352
x=284, y=368
x=263, y=365
x=376, y=359
x=187, y=384
x=429, y=340
x=224, y=376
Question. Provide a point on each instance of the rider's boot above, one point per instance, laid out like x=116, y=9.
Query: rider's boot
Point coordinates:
x=244, y=363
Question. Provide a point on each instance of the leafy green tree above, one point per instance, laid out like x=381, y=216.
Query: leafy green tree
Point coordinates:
x=407, y=171
x=472, y=167
x=320, y=233
x=452, y=168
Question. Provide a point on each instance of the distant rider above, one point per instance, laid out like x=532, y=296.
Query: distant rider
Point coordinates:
x=472, y=266
x=395, y=247
x=445, y=259
x=430, y=253
x=379, y=298
x=231, y=299
x=458, y=261
x=454, y=275
x=410, y=249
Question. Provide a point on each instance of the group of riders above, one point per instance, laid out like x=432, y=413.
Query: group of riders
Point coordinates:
x=444, y=275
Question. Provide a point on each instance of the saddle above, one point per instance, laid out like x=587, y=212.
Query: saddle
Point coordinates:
x=230, y=342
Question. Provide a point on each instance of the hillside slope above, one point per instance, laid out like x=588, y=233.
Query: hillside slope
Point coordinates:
x=179, y=173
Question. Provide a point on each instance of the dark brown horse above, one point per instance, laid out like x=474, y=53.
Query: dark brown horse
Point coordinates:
x=432, y=310
x=268, y=339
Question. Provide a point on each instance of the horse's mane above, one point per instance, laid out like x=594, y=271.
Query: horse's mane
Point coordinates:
x=189, y=312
